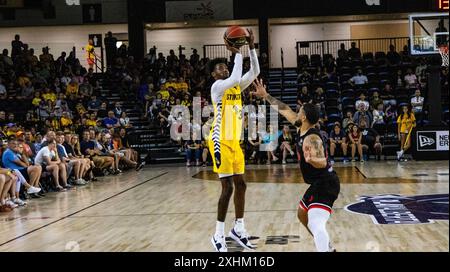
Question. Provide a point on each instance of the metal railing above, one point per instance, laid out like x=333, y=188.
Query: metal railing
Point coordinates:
x=365, y=45
x=99, y=63
x=213, y=51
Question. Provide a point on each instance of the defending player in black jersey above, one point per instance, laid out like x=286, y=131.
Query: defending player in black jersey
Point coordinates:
x=315, y=207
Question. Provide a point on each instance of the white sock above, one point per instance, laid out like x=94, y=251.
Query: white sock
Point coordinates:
x=239, y=225
x=317, y=220
x=220, y=229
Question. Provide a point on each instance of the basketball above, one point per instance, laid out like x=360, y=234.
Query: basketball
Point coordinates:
x=236, y=36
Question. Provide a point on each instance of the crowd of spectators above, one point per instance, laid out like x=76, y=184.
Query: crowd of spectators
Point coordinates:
x=365, y=103
x=55, y=130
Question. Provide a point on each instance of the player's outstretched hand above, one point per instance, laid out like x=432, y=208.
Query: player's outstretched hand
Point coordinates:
x=233, y=50
x=251, y=38
x=260, y=88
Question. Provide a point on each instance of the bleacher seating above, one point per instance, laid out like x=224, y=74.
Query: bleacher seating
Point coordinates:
x=341, y=95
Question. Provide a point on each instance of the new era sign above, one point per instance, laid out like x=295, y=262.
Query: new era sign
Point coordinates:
x=432, y=140
x=426, y=141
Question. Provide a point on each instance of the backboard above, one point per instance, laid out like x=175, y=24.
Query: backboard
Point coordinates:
x=428, y=31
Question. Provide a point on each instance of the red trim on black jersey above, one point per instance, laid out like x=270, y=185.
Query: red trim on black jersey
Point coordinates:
x=318, y=206
x=303, y=206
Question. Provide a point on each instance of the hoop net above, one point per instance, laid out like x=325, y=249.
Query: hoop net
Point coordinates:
x=443, y=50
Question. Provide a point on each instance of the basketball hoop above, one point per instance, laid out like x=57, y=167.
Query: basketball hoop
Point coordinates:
x=443, y=50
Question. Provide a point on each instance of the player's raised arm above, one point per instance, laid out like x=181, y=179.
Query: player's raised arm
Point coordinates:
x=313, y=151
x=235, y=77
x=282, y=108
x=253, y=73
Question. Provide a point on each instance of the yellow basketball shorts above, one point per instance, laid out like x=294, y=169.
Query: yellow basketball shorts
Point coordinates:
x=228, y=159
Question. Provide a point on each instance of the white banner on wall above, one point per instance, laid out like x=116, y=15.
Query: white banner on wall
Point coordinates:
x=199, y=10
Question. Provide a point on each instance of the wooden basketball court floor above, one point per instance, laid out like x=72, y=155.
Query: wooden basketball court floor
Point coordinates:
x=173, y=208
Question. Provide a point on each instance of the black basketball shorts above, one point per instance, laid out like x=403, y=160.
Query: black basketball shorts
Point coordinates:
x=321, y=194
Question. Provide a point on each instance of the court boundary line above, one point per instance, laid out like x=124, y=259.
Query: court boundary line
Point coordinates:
x=83, y=209
x=359, y=171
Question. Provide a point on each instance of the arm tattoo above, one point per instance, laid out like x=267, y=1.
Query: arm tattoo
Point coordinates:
x=274, y=101
x=283, y=109
x=317, y=145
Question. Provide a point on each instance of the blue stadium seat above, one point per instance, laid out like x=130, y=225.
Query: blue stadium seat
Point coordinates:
x=359, y=91
x=384, y=75
x=348, y=108
x=332, y=110
x=401, y=104
x=332, y=93
x=346, y=101
x=345, y=77
x=330, y=127
x=345, y=70
x=372, y=90
x=374, y=84
x=334, y=118
x=370, y=69
x=331, y=85
x=348, y=93
x=357, y=63
x=372, y=76
x=333, y=102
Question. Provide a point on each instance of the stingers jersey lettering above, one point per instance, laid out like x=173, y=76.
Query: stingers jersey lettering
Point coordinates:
x=227, y=125
x=233, y=96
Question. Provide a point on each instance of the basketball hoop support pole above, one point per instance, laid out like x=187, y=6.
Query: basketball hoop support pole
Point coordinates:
x=434, y=95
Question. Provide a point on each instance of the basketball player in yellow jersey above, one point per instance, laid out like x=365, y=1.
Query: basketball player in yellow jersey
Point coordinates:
x=228, y=158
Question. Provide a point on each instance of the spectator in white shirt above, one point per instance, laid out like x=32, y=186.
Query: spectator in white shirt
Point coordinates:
x=410, y=79
x=417, y=102
x=48, y=159
x=362, y=100
x=124, y=120
x=378, y=115
x=359, y=78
